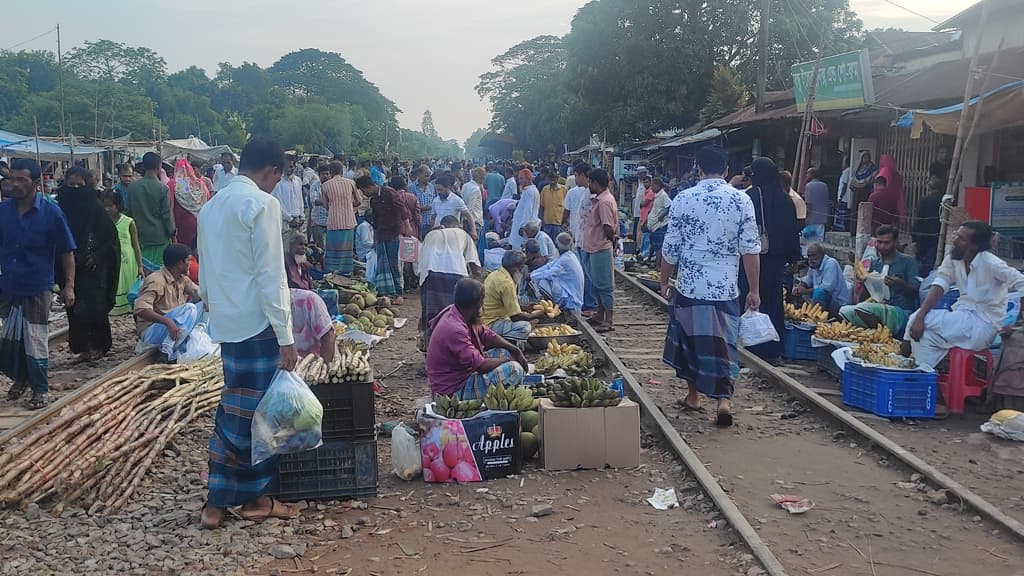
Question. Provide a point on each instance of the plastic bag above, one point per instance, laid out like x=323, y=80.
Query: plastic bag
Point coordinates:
x=287, y=419
x=756, y=328
x=198, y=346
x=408, y=249
x=406, y=461
x=1007, y=424
x=875, y=284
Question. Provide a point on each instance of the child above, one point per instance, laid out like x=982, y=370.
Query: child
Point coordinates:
x=131, y=253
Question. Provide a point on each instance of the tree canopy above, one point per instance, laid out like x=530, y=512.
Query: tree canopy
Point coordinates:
x=309, y=100
x=628, y=69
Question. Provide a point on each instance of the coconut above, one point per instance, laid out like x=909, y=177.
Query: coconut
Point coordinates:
x=352, y=310
x=529, y=444
x=528, y=420
x=370, y=299
x=358, y=301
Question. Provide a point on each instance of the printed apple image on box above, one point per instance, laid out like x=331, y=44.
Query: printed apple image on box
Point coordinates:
x=483, y=447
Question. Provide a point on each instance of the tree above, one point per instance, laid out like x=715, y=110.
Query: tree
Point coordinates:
x=427, y=125
x=312, y=72
x=472, y=145
x=725, y=96
x=109, y=60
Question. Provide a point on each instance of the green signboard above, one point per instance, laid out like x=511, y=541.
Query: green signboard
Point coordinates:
x=844, y=81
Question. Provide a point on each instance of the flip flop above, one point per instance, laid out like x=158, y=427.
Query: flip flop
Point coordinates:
x=277, y=510
x=724, y=419
x=593, y=321
x=17, y=390
x=602, y=328
x=684, y=407
x=38, y=401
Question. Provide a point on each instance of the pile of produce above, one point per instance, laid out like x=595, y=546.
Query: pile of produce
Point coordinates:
x=368, y=313
x=452, y=407
x=100, y=448
x=808, y=313
x=654, y=275
x=551, y=310
x=846, y=332
x=883, y=356
x=519, y=398
x=581, y=393
x=351, y=364
x=560, y=330
x=575, y=361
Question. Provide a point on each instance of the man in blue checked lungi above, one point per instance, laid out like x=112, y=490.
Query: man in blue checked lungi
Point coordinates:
x=243, y=282
x=711, y=226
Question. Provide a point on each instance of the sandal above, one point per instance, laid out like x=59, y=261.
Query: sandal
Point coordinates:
x=17, y=390
x=593, y=321
x=602, y=328
x=724, y=419
x=683, y=406
x=277, y=510
x=38, y=401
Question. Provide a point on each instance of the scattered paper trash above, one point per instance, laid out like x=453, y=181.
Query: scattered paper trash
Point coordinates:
x=664, y=498
x=793, y=504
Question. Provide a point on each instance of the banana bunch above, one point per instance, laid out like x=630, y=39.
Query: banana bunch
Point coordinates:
x=881, y=355
x=575, y=364
x=551, y=310
x=582, y=393
x=652, y=275
x=846, y=332
x=556, y=349
x=518, y=398
x=560, y=330
x=351, y=364
x=810, y=313
x=452, y=407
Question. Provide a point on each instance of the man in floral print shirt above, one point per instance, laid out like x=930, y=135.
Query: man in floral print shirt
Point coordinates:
x=711, y=226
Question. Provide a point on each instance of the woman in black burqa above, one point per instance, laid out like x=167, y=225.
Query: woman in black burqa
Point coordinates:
x=776, y=219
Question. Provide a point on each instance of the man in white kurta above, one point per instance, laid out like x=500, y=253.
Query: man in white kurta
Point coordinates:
x=527, y=210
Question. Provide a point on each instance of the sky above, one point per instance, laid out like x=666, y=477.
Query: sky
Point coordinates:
x=422, y=54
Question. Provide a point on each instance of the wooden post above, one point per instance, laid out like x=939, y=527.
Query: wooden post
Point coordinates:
x=961, y=130
x=802, y=154
x=863, y=228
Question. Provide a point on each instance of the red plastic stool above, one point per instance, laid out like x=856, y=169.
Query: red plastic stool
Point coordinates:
x=962, y=381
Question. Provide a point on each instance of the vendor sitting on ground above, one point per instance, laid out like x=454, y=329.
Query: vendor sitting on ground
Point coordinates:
x=501, y=215
x=824, y=283
x=562, y=278
x=164, y=316
x=528, y=294
x=312, y=325
x=532, y=229
x=978, y=315
x=296, y=263
x=494, y=252
x=464, y=356
x=501, y=303
x=900, y=273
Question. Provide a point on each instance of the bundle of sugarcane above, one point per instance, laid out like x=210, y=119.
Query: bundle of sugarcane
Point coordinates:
x=351, y=363
x=100, y=448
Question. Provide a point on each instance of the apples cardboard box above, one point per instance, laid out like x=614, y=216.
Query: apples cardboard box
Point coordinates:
x=572, y=438
x=483, y=447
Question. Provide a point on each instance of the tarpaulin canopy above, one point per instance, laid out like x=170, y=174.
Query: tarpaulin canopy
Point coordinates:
x=1003, y=108
x=193, y=147
x=19, y=146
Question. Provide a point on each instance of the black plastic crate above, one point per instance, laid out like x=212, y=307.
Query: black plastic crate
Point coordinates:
x=827, y=364
x=338, y=470
x=349, y=412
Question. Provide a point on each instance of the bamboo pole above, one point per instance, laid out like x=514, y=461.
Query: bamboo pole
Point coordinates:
x=961, y=129
x=804, y=162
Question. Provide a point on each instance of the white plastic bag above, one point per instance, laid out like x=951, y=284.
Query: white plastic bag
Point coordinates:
x=876, y=287
x=1007, y=424
x=406, y=461
x=287, y=419
x=198, y=346
x=756, y=328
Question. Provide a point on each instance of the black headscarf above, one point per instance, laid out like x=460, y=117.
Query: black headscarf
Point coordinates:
x=94, y=235
x=778, y=217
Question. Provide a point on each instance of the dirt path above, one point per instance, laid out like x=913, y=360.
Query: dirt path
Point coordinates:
x=863, y=501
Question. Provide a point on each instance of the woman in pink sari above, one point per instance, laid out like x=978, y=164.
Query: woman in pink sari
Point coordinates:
x=887, y=198
x=188, y=195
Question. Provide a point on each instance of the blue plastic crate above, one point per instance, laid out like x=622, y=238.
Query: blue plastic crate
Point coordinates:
x=338, y=470
x=890, y=393
x=827, y=364
x=797, y=342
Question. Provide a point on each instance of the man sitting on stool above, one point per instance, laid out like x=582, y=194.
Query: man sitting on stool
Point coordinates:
x=164, y=317
x=824, y=283
x=900, y=273
x=984, y=280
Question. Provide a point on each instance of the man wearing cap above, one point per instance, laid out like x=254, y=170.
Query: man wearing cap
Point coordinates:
x=493, y=253
x=562, y=278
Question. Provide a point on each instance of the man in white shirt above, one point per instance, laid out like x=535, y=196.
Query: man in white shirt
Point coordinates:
x=532, y=229
x=527, y=210
x=243, y=283
x=657, y=220
x=711, y=227
x=984, y=280
x=577, y=208
x=224, y=172
x=562, y=278
x=472, y=195
x=511, y=185
x=289, y=193
x=446, y=203
x=494, y=252
x=447, y=255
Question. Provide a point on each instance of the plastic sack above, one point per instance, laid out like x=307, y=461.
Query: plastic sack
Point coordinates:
x=875, y=284
x=405, y=454
x=1007, y=424
x=756, y=328
x=287, y=419
x=198, y=346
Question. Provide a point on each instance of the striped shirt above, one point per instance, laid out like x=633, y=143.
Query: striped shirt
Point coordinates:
x=341, y=197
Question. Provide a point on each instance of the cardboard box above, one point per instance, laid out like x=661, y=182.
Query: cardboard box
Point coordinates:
x=572, y=438
x=483, y=447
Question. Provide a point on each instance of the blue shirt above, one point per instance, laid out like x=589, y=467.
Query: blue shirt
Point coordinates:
x=566, y=276
x=425, y=196
x=30, y=245
x=829, y=277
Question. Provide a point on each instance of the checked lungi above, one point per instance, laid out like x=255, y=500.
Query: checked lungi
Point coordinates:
x=701, y=344
x=388, y=277
x=340, y=251
x=508, y=374
x=249, y=367
x=24, y=345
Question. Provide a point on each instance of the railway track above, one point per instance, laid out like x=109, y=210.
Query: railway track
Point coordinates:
x=880, y=509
